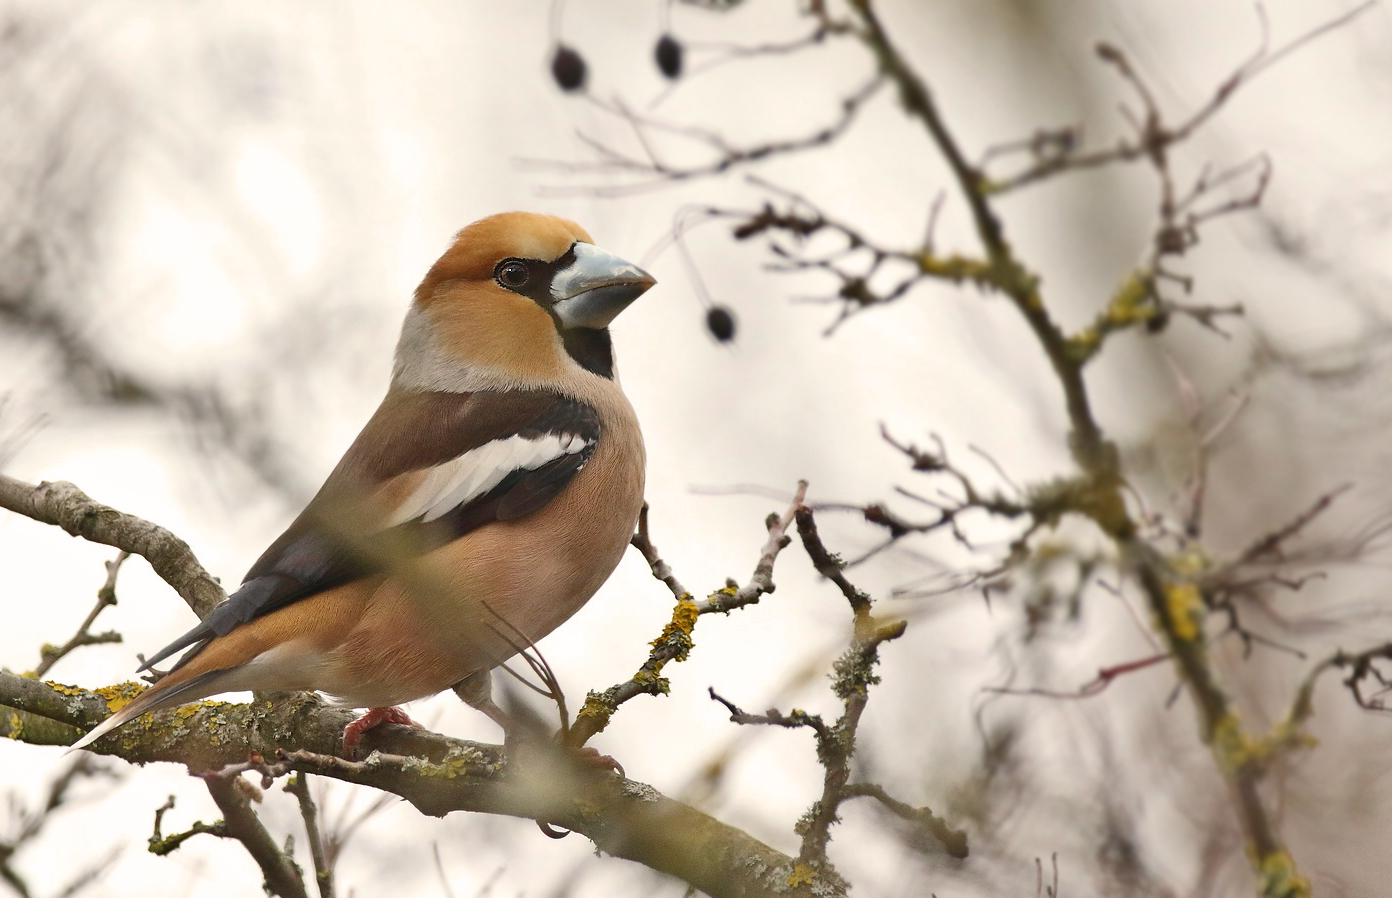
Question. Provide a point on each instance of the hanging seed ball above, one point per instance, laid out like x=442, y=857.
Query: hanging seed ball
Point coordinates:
x=669, y=56
x=720, y=321
x=568, y=68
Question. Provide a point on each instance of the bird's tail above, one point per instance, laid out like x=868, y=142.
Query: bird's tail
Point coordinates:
x=171, y=691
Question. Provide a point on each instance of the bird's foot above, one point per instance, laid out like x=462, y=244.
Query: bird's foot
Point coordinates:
x=524, y=741
x=375, y=717
x=591, y=759
x=588, y=761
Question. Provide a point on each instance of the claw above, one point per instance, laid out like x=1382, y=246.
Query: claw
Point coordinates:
x=375, y=717
x=591, y=758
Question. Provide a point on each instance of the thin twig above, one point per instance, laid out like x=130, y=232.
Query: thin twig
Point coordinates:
x=1105, y=677
x=659, y=174
x=298, y=785
x=106, y=597
x=1155, y=136
x=675, y=641
x=240, y=822
x=642, y=541
x=160, y=845
x=953, y=840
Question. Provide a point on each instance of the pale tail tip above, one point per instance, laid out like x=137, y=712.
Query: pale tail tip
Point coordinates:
x=96, y=733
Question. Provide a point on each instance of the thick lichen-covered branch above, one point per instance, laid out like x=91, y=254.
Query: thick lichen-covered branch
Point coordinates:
x=1177, y=604
x=435, y=773
x=625, y=819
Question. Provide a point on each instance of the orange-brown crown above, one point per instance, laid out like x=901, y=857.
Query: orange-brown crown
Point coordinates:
x=482, y=245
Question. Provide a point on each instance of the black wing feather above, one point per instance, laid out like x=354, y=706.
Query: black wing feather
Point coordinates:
x=314, y=554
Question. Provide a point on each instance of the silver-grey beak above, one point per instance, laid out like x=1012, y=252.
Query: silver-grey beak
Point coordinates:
x=596, y=287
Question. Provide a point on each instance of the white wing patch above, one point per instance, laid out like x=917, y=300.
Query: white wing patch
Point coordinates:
x=461, y=480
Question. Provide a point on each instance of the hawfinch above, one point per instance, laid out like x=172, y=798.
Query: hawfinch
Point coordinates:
x=486, y=500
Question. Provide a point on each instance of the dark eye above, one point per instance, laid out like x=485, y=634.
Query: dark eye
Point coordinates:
x=512, y=274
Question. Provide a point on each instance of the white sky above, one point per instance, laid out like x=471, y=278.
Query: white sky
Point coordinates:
x=280, y=177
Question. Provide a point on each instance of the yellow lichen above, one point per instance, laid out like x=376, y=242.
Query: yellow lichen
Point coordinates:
x=1232, y=747
x=456, y=767
x=1287, y=734
x=802, y=875
x=651, y=681
x=1235, y=749
x=954, y=268
x=16, y=726
x=63, y=689
x=677, y=633
x=1279, y=878
x=1083, y=345
x=597, y=706
x=684, y=615
x=1129, y=305
x=1189, y=563
x=1183, y=606
x=120, y=695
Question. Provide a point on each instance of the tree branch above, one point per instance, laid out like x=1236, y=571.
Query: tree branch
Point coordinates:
x=435, y=773
x=675, y=641
x=63, y=505
x=240, y=822
x=298, y=785
x=106, y=596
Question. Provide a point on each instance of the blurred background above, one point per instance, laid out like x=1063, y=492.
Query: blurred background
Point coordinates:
x=211, y=219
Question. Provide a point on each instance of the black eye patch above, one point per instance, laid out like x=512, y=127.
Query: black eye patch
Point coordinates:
x=531, y=277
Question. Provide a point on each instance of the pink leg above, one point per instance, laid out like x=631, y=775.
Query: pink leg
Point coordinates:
x=591, y=758
x=476, y=691
x=353, y=732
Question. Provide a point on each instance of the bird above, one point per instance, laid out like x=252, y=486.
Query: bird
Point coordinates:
x=487, y=499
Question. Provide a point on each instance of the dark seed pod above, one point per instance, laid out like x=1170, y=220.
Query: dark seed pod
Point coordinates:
x=669, y=56
x=720, y=321
x=568, y=68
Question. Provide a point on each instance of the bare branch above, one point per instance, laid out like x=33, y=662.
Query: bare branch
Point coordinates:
x=1271, y=543
x=1155, y=136
x=160, y=845
x=29, y=824
x=642, y=541
x=106, y=596
x=675, y=641
x=953, y=840
x=853, y=674
x=658, y=173
x=240, y=822
x=1105, y=677
x=64, y=505
x=1362, y=667
x=298, y=785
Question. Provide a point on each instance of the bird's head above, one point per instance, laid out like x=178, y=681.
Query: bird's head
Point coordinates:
x=519, y=298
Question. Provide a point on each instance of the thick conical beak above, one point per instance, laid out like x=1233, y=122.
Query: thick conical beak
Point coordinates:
x=596, y=287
